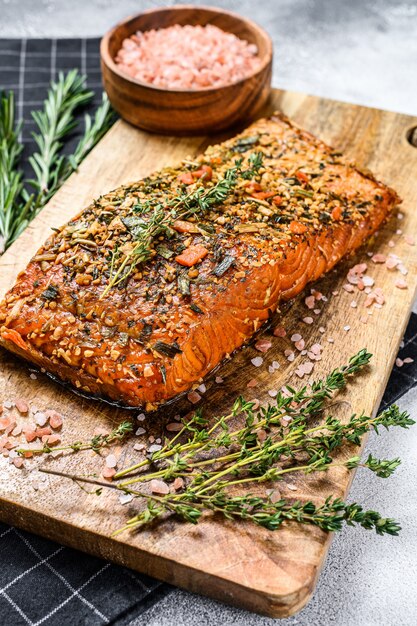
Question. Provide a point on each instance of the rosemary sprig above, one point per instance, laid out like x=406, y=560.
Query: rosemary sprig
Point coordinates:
x=280, y=439
x=54, y=123
x=151, y=219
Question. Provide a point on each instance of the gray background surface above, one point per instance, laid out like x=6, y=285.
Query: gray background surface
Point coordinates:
x=364, y=52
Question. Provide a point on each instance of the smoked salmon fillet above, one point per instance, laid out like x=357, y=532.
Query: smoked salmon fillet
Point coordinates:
x=131, y=303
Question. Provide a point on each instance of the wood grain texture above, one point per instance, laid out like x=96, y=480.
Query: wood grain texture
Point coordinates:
x=270, y=573
x=181, y=111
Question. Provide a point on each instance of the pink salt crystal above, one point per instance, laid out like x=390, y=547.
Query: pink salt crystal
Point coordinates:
x=391, y=244
x=354, y=304
x=255, y=404
x=218, y=380
x=178, y=483
x=401, y=284
x=368, y=281
x=310, y=302
x=300, y=344
x=273, y=393
x=330, y=339
x=159, y=487
x=174, y=427
x=402, y=269
x=292, y=487
x=399, y=362
x=296, y=337
x=408, y=360
x=391, y=262
x=108, y=472
x=308, y=320
x=257, y=361
x=16, y=431
x=316, y=348
x=55, y=419
x=263, y=345
x=322, y=330
x=111, y=460
x=335, y=293
x=252, y=383
x=363, y=319
x=300, y=372
x=22, y=406
x=279, y=331
x=316, y=311
x=193, y=397
x=18, y=462
x=290, y=355
x=379, y=258
x=346, y=328
x=410, y=240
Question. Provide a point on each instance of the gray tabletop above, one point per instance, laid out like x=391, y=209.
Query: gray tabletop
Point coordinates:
x=362, y=51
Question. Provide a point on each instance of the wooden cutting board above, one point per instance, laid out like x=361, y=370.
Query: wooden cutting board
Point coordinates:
x=273, y=573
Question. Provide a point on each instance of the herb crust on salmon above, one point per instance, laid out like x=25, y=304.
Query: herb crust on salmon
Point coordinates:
x=149, y=288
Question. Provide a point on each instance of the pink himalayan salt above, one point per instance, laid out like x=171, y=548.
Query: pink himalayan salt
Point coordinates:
x=279, y=331
x=187, y=57
x=263, y=345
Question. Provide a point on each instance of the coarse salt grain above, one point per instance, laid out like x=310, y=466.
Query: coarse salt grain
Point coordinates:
x=140, y=431
x=279, y=331
x=218, y=380
x=125, y=498
x=263, y=345
x=308, y=320
x=141, y=417
x=346, y=328
x=296, y=337
x=193, y=397
x=401, y=284
x=111, y=460
x=257, y=361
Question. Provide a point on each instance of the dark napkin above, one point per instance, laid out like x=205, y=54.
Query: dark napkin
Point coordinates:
x=40, y=581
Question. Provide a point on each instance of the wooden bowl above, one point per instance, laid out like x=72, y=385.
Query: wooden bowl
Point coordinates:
x=180, y=111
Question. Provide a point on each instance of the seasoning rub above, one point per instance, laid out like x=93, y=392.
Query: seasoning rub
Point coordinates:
x=154, y=284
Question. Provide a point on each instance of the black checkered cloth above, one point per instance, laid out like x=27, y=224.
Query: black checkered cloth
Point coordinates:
x=40, y=581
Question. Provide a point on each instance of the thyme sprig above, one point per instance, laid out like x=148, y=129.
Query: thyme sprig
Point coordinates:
x=151, y=218
x=221, y=463
x=54, y=122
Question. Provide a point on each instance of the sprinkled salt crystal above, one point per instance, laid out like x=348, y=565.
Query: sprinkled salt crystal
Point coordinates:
x=346, y=328
x=253, y=382
x=140, y=431
x=263, y=345
x=402, y=269
x=391, y=244
x=33, y=376
x=292, y=487
x=279, y=331
x=348, y=288
x=296, y=337
x=330, y=339
x=218, y=380
x=368, y=281
x=335, y=293
x=290, y=355
x=141, y=417
x=111, y=460
x=303, y=352
x=202, y=388
x=271, y=370
x=408, y=360
x=392, y=262
x=273, y=393
x=158, y=486
x=310, y=302
x=308, y=367
x=300, y=344
x=125, y=498
x=308, y=320
x=174, y=427
x=410, y=240
x=155, y=447
x=322, y=330
x=400, y=216
x=398, y=231
x=354, y=304
x=193, y=397
x=8, y=404
x=275, y=365
x=379, y=258
x=316, y=348
x=399, y=362
x=401, y=284
x=40, y=418
x=257, y=361
x=316, y=311
x=138, y=446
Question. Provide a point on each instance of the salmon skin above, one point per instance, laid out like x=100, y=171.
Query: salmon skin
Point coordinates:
x=210, y=281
